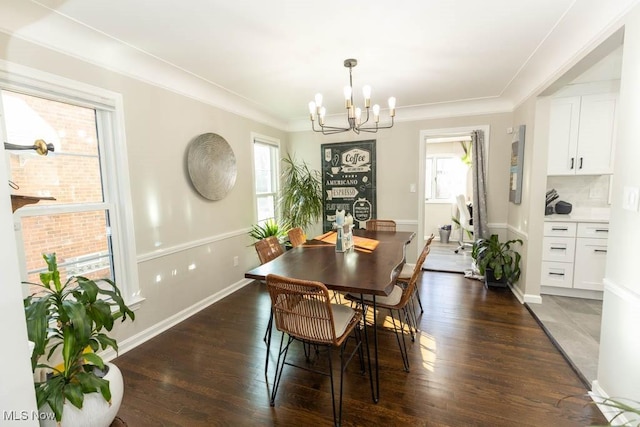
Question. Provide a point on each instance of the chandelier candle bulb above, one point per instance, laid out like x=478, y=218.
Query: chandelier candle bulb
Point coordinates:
x=376, y=113
x=392, y=106
x=312, y=109
x=366, y=92
x=318, y=100
x=323, y=111
x=358, y=115
x=347, y=96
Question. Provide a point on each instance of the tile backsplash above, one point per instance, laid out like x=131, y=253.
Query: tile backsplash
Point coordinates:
x=584, y=191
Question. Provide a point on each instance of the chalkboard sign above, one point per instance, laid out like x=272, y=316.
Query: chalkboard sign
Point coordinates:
x=349, y=181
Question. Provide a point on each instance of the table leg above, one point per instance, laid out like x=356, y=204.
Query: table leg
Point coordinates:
x=375, y=383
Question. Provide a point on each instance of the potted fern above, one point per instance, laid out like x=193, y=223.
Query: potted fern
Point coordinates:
x=497, y=261
x=69, y=318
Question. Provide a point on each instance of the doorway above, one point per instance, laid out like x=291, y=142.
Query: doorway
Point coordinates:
x=445, y=173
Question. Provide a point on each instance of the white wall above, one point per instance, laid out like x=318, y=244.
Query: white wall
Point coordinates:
x=618, y=369
x=397, y=154
x=16, y=389
x=174, y=226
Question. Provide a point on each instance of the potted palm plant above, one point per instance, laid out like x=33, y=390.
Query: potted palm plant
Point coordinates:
x=301, y=196
x=69, y=319
x=497, y=261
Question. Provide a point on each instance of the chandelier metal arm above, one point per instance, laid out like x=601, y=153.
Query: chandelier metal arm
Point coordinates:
x=354, y=115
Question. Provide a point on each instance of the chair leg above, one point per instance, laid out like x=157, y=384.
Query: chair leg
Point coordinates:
x=282, y=354
x=401, y=341
x=267, y=339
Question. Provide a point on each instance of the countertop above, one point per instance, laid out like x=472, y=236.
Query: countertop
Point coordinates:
x=581, y=215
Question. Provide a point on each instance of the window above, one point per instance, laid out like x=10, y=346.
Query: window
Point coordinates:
x=84, y=182
x=446, y=177
x=266, y=157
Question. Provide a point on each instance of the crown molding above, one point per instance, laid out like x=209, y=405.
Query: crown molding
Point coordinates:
x=45, y=27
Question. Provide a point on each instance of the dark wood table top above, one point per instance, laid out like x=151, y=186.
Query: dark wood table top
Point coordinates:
x=357, y=270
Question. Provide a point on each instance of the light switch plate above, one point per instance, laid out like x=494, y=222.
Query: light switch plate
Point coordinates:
x=630, y=198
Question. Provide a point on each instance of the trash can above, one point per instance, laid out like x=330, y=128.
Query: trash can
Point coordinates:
x=445, y=233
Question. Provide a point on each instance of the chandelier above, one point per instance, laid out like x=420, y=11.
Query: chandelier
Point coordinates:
x=356, y=121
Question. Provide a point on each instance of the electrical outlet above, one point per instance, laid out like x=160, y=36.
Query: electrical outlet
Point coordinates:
x=235, y=261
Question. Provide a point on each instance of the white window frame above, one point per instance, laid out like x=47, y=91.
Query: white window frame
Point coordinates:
x=265, y=140
x=433, y=158
x=113, y=158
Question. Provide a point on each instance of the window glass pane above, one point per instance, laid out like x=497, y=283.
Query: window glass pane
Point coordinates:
x=80, y=241
x=266, y=207
x=263, y=162
x=71, y=174
x=429, y=179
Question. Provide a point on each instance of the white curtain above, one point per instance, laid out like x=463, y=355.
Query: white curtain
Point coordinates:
x=480, y=227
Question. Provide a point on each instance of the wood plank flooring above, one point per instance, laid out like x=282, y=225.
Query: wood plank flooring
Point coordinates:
x=479, y=360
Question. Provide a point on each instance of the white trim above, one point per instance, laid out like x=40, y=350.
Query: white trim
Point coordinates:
x=518, y=293
x=571, y=292
x=623, y=292
x=73, y=38
x=275, y=142
x=517, y=231
x=596, y=394
x=190, y=245
x=110, y=121
x=532, y=299
x=155, y=330
x=498, y=225
x=422, y=142
x=406, y=221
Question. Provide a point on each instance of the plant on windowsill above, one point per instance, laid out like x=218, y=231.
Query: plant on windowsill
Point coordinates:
x=70, y=318
x=497, y=261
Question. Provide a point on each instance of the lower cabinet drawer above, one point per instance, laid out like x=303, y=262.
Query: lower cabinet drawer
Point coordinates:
x=558, y=249
x=559, y=274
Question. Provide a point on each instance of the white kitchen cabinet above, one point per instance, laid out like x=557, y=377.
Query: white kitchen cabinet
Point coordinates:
x=591, y=260
x=591, y=256
x=574, y=255
x=558, y=253
x=581, y=135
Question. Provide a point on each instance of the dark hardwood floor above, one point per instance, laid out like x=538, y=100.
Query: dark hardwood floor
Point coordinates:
x=480, y=360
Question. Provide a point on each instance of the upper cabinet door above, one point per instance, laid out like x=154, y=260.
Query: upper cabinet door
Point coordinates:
x=564, y=124
x=597, y=134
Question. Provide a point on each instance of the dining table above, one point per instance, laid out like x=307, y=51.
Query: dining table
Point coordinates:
x=369, y=267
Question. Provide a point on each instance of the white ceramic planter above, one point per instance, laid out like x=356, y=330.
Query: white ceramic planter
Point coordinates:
x=95, y=411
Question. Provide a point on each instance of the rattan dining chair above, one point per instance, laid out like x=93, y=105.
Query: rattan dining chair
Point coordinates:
x=268, y=249
x=407, y=272
x=297, y=236
x=381, y=225
x=303, y=312
x=399, y=301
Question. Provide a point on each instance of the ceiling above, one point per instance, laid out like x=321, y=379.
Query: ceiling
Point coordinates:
x=272, y=57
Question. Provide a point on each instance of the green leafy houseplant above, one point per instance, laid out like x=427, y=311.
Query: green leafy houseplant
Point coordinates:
x=301, y=198
x=267, y=229
x=71, y=317
x=499, y=257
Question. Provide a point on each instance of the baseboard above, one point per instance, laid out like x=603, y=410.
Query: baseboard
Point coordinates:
x=571, y=292
x=144, y=336
x=597, y=394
